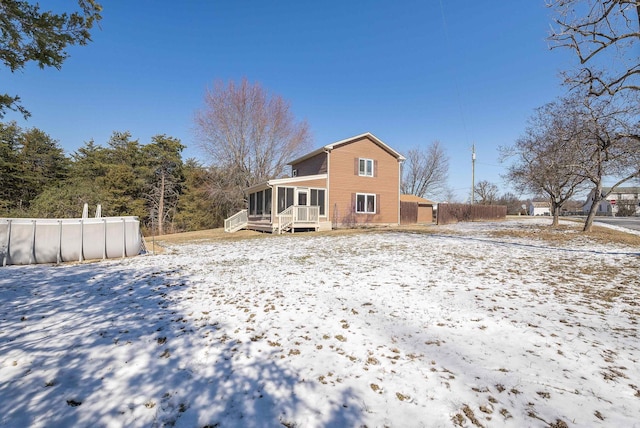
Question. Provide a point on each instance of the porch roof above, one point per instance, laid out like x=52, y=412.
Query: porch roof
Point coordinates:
x=284, y=181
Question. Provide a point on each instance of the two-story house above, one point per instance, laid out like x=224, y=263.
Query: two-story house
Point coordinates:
x=624, y=200
x=347, y=183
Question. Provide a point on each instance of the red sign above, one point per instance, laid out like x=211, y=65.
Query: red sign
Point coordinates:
x=612, y=201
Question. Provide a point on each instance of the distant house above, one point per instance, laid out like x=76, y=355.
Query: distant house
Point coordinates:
x=622, y=198
x=539, y=208
x=351, y=182
x=414, y=209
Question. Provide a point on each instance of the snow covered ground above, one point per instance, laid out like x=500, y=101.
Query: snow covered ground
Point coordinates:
x=465, y=327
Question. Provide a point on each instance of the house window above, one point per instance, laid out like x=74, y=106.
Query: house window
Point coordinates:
x=365, y=167
x=365, y=203
x=317, y=199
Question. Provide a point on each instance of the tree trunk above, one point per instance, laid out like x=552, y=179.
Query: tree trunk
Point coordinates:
x=161, y=207
x=555, y=208
x=597, y=198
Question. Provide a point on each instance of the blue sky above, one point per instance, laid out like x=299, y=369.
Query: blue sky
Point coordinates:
x=410, y=72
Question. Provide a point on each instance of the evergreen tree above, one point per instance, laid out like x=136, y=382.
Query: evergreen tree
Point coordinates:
x=42, y=163
x=28, y=34
x=67, y=199
x=165, y=179
x=9, y=167
x=124, y=177
x=196, y=209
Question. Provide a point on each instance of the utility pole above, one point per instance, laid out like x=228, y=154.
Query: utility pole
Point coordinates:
x=473, y=172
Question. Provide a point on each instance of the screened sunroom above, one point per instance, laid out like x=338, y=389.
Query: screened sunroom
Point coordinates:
x=286, y=205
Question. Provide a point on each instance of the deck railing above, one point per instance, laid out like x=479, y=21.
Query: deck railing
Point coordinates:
x=285, y=219
x=236, y=221
x=307, y=214
x=300, y=215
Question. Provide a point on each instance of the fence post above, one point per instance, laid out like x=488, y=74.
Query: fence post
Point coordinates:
x=32, y=255
x=104, y=238
x=81, y=239
x=124, y=239
x=59, y=255
x=6, y=255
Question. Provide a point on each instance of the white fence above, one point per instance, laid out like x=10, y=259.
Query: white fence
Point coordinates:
x=28, y=241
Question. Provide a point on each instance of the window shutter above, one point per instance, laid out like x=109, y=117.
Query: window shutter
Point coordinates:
x=353, y=202
x=377, y=207
x=356, y=166
x=375, y=168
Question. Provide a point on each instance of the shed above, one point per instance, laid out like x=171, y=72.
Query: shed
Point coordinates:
x=414, y=209
x=539, y=208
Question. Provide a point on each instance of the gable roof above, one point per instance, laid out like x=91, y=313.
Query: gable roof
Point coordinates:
x=540, y=204
x=332, y=146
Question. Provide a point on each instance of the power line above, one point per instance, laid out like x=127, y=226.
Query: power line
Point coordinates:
x=455, y=76
x=459, y=99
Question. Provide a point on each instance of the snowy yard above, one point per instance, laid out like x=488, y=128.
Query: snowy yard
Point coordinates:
x=471, y=326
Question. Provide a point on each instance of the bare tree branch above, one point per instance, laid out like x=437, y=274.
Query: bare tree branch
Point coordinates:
x=605, y=37
x=249, y=134
x=425, y=171
x=548, y=156
x=487, y=192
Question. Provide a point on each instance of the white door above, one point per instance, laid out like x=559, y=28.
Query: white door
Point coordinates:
x=302, y=200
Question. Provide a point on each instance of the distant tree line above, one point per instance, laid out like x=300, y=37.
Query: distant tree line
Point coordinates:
x=150, y=180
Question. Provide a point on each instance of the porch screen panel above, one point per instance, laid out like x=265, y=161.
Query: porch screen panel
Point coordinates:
x=289, y=197
x=285, y=198
x=321, y=203
x=267, y=201
x=252, y=204
x=282, y=199
x=259, y=202
x=317, y=199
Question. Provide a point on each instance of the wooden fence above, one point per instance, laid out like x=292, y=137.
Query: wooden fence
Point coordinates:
x=454, y=213
x=408, y=212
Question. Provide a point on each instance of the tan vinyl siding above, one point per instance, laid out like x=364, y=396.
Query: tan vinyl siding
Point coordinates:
x=318, y=183
x=312, y=166
x=345, y=183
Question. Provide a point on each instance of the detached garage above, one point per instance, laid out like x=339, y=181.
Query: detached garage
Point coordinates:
x=414, y=209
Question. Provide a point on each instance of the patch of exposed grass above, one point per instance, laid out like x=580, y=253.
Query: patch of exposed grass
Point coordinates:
x=567, y=233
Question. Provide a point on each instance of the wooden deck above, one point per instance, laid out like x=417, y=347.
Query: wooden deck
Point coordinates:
x=294, y=218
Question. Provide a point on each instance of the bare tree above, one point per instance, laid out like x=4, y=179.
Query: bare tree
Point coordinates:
x=610, y=147
x=487, y=192
x=449, y=195
x=548, y=157
x=426, y=171
x=513, y=203
x=249, y=133
x=605, y=36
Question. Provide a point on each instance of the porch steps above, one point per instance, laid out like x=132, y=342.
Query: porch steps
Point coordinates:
x=285, y=220
x=238, y=221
